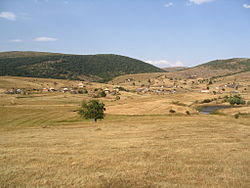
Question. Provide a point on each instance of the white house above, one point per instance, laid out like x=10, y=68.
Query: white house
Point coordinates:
x=80, y=85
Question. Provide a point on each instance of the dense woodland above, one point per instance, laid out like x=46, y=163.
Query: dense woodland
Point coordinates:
x=98, y=67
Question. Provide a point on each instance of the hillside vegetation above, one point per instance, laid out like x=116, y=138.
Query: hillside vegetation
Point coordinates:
x=217, y=68
x=13, y=54
x=174, y=69
x=90, y=67
x=212, y=69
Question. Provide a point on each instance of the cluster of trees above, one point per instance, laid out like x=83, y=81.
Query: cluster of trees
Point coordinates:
x=208, y=100
x=101, y=67
x=235, y=100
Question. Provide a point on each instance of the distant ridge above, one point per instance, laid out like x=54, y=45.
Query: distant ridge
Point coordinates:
x=101, y=67
x=14, y=54
x=218, y=68
x=212, y=69
x=174, y=69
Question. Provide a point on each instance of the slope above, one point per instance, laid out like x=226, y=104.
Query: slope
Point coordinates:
x=217, y=68
x=102, y=67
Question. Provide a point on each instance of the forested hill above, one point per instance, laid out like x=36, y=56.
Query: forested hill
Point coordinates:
x=91, y=67
x=217, y=68
x=242, y=64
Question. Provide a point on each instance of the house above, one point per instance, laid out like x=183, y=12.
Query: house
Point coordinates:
x=45, y=89
x=114, y=92
x=233, y=92
x=139, y=90
x=65, y=90
x=205, y=91
x=80, y=85
x=129, y=79
x=145, y=90
x=18, y=91
x=106, y=90
x=11, y=91
x=52, y=89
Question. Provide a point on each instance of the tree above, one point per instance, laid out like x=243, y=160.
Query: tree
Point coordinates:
x=93, y=109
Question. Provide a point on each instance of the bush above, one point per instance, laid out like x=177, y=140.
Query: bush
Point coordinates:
x=102, y=94
x=121, y=88
x=99, y=94
x=206, y=101
x=172, y=111
x=236, y=116
x=82, y=91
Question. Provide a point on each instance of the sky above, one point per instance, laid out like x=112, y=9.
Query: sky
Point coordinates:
x=161, y=32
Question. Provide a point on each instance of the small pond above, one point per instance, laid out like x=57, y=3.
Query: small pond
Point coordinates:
x=211, y=108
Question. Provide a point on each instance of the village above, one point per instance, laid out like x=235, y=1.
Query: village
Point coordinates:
x=158, y=86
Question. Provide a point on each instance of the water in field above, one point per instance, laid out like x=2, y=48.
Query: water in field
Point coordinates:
x=210, y=109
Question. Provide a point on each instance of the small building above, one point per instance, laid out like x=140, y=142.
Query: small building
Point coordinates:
x=45, y=89
x=65, y=90
x=18, y=91
x=138, y=90
x=205, y=91
x=52, y=89
x=11, y=91
x=80, y=85
x=115, y=92
x=233, y=92
x=106, y=90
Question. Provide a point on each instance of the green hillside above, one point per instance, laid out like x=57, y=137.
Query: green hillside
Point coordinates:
x=236, y=64
x=49, y=65
x=13, y=54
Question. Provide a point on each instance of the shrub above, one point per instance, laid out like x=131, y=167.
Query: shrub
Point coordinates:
x=236, y=116
x=102, y=94
x=206, y=101
x=82, y=91
x=172, y=111
x=99, y=94
x=121, y=88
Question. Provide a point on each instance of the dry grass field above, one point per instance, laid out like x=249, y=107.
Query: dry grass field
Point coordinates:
x=44, y=143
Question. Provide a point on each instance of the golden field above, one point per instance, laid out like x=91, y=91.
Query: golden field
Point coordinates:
x=44, y=143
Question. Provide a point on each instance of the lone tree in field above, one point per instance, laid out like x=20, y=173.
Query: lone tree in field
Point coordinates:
x=92, y=109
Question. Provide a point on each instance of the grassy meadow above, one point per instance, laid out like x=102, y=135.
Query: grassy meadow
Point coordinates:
x=44, y=142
